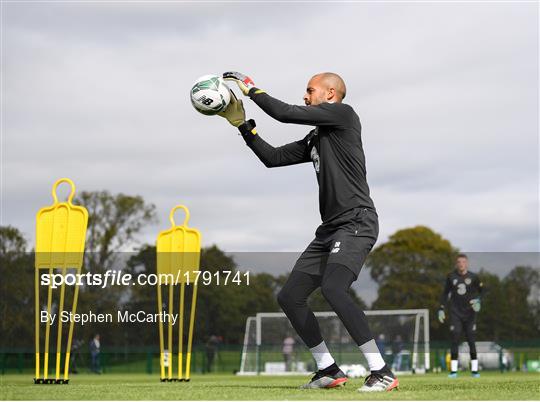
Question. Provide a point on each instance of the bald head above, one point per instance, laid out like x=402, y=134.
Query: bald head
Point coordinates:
x=325, y=87
x=332, y=80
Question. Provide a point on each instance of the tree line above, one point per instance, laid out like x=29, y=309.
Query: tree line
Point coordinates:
x=409, y=269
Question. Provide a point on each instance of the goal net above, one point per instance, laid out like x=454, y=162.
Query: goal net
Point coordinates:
x=271, y=345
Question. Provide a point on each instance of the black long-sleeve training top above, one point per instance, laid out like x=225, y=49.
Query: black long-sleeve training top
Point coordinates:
x=334, y=147
x=459, y=290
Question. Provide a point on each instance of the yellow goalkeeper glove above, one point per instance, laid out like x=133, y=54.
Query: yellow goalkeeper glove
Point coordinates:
x=234, y=113
x=476, y=304
x=441, y=316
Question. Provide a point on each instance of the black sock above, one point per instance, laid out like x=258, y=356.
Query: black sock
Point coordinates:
x=332, y=369
x=384, y=371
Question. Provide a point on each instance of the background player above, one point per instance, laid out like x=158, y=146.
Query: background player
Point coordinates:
x=349, y=228
x=462, y=291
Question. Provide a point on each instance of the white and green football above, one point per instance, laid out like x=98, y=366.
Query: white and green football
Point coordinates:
x=210, y=95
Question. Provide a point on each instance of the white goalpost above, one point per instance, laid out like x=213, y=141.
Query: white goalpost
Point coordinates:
x=272, y=347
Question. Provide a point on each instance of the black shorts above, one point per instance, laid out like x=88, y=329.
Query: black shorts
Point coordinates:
x=461, y=323
x=345, y=240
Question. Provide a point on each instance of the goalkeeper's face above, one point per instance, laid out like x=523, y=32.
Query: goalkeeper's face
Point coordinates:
x=318, y=91
x=462, y=265
x=325, y=87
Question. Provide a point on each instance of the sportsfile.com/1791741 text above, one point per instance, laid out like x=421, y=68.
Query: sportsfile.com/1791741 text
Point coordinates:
x=118, y=278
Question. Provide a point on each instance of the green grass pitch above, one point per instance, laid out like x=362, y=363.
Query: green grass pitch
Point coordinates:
x=491, y=386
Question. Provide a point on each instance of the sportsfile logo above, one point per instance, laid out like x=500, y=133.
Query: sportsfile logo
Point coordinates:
x=119, y=278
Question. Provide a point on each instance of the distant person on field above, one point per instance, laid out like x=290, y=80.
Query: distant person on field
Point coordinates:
x=75, y=355
x=288, y=352
x=95, y=346
x=397, y=351
x=462, y=292
x=211, y=351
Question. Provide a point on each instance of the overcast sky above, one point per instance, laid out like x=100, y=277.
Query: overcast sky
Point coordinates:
x=447, y=94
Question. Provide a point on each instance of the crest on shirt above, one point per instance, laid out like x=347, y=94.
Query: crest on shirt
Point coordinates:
x=315, y=158
x=467, y=281
x=454, y=282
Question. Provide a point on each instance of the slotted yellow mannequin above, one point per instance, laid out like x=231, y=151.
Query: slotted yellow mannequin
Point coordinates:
x=60, y=237
x=178, y=256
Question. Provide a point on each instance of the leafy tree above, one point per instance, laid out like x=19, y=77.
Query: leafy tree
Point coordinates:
x=518, y=285
x=417, y=251
x=410, y=269
x=16, y=288
x=140, y=297
x=12, y=242
x=493, y=318
x=114, y=221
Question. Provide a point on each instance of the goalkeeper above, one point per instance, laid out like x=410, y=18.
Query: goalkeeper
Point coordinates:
x=462, y=291
x=349, y=229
